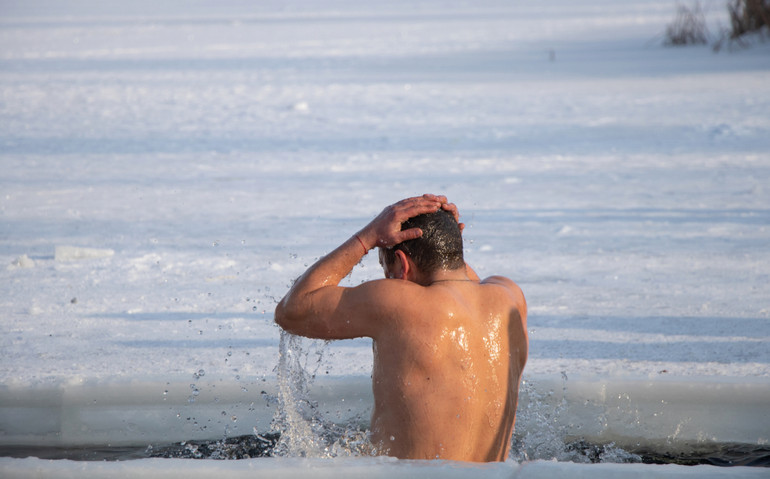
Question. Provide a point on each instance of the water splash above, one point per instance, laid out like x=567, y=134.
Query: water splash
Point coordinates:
x=304, y=432
x=296, y=416
x=542, y=431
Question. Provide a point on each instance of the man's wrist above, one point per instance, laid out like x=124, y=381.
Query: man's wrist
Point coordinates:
x=366, y=239
x=366, y=250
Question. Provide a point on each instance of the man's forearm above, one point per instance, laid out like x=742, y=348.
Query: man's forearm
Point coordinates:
x=327, y=271
x=330, y=269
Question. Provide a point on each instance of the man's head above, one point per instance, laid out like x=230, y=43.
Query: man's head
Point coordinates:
x=439, y=248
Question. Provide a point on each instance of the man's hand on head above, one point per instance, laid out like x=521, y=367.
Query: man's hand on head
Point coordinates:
x=385, y=230
x=446, y=206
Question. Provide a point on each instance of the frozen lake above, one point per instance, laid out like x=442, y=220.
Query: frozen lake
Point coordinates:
x=169, y=168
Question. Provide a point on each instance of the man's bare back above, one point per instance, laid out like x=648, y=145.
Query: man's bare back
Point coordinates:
x=448, y=349
x=446, y=377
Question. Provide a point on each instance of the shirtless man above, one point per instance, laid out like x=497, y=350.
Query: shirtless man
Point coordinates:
x=449, y=349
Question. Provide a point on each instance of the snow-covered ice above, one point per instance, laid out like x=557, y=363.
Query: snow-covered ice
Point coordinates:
x=290, y=468
x=197, y=157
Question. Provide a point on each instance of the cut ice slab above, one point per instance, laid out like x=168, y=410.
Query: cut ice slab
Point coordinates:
x=624, y=411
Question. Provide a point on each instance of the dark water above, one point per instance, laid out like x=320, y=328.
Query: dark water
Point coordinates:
x=251, y=446
x=242, y=447
x=713, y=454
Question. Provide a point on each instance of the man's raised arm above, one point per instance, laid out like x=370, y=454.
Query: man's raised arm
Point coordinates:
x=316, y=306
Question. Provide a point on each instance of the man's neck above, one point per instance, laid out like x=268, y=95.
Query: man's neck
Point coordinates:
x=445, y=276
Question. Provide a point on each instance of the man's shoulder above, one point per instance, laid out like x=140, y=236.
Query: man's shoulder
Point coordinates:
x=393, y=304
x=509, y=286
x=387, y=290
x=502, y=281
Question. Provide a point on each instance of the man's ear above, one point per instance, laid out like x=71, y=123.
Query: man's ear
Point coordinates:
x=403, y=265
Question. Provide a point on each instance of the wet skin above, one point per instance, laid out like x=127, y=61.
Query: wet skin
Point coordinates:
x=449, y=349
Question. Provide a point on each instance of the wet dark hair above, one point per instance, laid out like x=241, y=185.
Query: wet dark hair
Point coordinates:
x=439, y=248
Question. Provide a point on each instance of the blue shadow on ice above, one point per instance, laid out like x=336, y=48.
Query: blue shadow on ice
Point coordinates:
x=200, y=343
x=558, y=216
x=692, y=339
x=718, y=326
x=623, y=139
x=676, y=351
x=171, y=316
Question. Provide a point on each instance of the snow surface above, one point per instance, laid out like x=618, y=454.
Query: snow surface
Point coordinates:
x=202, y=155
x=354, y=468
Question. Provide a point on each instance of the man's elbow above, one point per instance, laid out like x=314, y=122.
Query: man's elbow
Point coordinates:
x=281, y=316
x=290, y=315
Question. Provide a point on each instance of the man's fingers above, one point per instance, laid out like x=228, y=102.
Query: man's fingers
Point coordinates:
x=409, y=234
x=395, y=215
x=431, y=197
x=412, y=207
x=427, y=203
x=452, y=208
